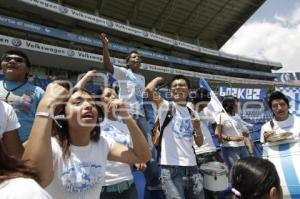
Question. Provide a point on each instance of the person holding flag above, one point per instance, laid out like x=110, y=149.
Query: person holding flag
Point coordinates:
x=230, y=130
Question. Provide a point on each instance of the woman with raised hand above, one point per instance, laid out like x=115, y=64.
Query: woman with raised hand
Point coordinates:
x=72, y=164
x=17, y=180
x=255, y=178
x=118, y=176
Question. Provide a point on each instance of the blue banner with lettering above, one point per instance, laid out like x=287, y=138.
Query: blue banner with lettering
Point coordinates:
x=287, y=77
x=253, y=106
x=244, y=93
x=253, y=103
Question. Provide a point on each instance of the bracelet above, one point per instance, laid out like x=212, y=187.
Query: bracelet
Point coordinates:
x=48, y=115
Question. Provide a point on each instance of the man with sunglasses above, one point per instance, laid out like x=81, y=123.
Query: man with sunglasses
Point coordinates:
x=17, y=91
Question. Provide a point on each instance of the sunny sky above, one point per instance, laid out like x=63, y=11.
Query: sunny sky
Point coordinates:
x=272, y=33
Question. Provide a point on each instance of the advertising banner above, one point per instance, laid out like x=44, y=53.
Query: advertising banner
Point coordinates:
x=82, y=16
x=244, y=93
x=253, y=107
x=56, y=33
x=287, y=77
x=67, y=52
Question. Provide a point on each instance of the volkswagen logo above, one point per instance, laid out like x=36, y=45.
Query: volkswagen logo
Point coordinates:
x=63, y=9
x=16, y=42
x=70, y=53
x=145, y=33
x=109, y=23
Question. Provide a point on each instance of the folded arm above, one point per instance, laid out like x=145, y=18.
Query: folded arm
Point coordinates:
x=152, y=93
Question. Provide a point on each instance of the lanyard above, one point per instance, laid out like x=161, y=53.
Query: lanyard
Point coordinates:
x=11, y=90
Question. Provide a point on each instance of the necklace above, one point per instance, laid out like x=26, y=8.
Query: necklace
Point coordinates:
x=11, y=90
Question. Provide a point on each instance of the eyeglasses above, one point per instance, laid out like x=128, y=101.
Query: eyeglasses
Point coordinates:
x=19, y=60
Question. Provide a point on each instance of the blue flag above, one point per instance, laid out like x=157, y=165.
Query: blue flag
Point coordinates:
x=214, y=106
x=204, y=84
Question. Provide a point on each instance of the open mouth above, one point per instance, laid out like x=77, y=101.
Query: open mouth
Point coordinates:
x=11, y=67
x=88, y=115
x=178, y=94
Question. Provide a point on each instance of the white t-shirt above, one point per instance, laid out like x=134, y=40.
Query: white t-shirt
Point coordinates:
x=8, y=118
x=22, y=188
x=116, y=172
x=132, y=87
x=177, y=140
x=208, y=144
x=291, y=124
x=231, y=126
x=82, y=174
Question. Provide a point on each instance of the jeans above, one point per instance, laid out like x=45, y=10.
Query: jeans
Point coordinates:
x=181, y=181
x=231, y=154
x=151, y=173
x=129, y=193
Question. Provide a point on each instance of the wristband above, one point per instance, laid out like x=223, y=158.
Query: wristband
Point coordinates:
x=48, y=115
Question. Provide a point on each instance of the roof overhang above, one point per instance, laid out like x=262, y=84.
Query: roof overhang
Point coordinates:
x=209, y=23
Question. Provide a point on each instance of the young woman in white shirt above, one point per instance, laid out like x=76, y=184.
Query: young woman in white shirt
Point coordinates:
x=118, y=181
x=230, y=132
x=72, y=163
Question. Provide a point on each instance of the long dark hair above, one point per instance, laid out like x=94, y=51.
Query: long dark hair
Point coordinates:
x=62, y=134
x=228, y=104
x=254, y=177
x=13, y=168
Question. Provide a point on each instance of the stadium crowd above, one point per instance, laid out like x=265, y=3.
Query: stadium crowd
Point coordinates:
x=66, y=142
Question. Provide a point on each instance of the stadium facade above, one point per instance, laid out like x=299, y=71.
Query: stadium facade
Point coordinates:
x=173, y=37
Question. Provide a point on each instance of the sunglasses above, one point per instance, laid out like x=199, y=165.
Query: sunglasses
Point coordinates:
x=19, y=60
